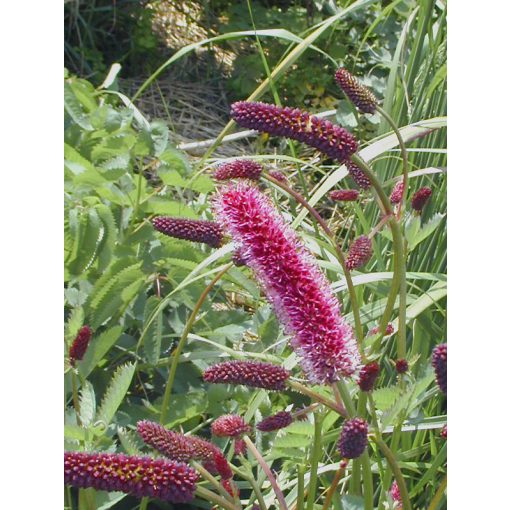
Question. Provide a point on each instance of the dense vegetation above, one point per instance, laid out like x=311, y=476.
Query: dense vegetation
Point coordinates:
x=163, y=310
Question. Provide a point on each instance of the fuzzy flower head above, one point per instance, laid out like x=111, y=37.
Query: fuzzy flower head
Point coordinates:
x=368, y=375
x=79, y=345
x=139, y=476
x=229, y=425
x=360, y=252
x=238, y=169
x=344, y=195
x=360, y=96
x=332, y=140
x=439, y=364
x=248, y=373
x=300, y=294
x=395, y=494
x=420, y=198
x=200, y=231
x=174, y=445
x=353, y=438
x=402, y=366
x=397, y=193
x=358, y=175
x=275, y=422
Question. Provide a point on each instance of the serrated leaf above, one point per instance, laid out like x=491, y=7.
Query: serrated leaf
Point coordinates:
x=160, y=205
x=73, y=432
x=97, y=349
x=115, y=393
x=87, y=404
x=384, y=398
x=107, y=243
x=291, y=441
x=129, y=441
x=74, y=109
x=426, y=230
x=159, y=135
x=412, y=227
x=154, y=331
x=74, y=323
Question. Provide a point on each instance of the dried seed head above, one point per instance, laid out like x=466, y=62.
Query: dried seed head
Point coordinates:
x=353, y=438
x=174, y=445
x=439, y=364
x=402, y=366
x=420, y=198
x=139, y=476
x=360, y=95
x=358, y=175
x=238, y=169
x=367, y=376
x=229, y=425
x=360, y=253
x=200, y=231
x=248, y=373
x=79, y=345
x=334, y=141
x=397, y=193
x=275, y=422
x=344, y=195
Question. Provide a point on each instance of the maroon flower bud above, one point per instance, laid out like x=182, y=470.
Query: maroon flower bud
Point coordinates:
x=397, y=193
x=279, y=176
x=79, y=345
x=395, y=494
x=389, y=330
x=238, y=169
x=402, y=366
x=443, y=432
x=139, y=476
x=248, y=373
x=275, y=422
x=439, y=364
x=222, y=466
x=238, y=258
x=332, y=140
x=239, y=447
x=344, y=195
x=367, y=376
x=353, y=438
x=174, y=445
x=360, y=96
x=200, y=231
x=358, y=175
x=359, y=253
x=229, y=425
x=420, y=198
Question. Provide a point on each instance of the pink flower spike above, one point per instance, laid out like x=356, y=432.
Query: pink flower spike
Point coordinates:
x=397, y=193
x=420, y=198
x=395, y=494
x=300, y=294
x=80, y=345
x=238, y=169
x=358, y=175
x=229, y=425
x=200, y=231
x=344, y=195
x=360, y=253
x=439, y=363
x=360, y=95
x=275, y=422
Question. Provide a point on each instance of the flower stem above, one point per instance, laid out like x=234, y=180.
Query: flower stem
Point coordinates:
x=248, y=475
x=438, y=495
x=210, y=478
x=76, y=400
x=397, y=473
x=174, y=358
x=267, y=470
x=208, y=495
x=301, y=388
x=314, y=461
x=340, y=256
x=334, y=484
x=300, y=502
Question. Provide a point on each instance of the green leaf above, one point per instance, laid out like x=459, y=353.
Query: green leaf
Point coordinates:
x=350, y=502
x=159, y=205
x=384, y=398
x=291, y=441
x=97, y=349
x=154, y=331
x=129, y=441
x=74, y=109
x=87, y=404
x=109, y=238
x=74, y=323
x=115, y=392
x=74, y=432
x=412, y=227
x=425, y=231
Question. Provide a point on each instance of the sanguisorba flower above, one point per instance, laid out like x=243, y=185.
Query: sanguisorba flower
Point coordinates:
x=139, y=476
x=439, y=364
x=420, y=198
x=238, y=169
x=397, y=193
x=275, y=422
x=368, y=375
x=395, y=494
x=237, y=258
x=358, y=175
x=360, y=253
x=248, y=373
x=229, y=425
x=301, y=295
x=332, y=140
x=360, y=95
x=222, y=466
x=344, y=195
x=353, y=438
x=174, y=445
x=279, y=176
x=79, y=346
x=200, y=231
x=402, y=366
